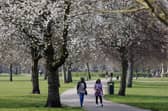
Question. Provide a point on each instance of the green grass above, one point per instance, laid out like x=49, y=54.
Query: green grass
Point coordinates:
x=16, y=95
x=148, y=93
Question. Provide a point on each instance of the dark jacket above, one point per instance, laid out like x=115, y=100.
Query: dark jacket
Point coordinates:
x=78, y=87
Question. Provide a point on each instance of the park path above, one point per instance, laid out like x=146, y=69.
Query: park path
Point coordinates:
x=70, y=98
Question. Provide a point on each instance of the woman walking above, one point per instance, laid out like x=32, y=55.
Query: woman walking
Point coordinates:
x=98, y=92
x=81, y=90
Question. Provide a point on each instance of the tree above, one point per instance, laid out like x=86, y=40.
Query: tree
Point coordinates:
x=159, y=8
x=10, y=49
x=120, y=32
x=14, y=15
x=45, y=24
x=53, y=63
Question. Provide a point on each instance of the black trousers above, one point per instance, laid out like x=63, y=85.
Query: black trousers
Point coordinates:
x=99, y=97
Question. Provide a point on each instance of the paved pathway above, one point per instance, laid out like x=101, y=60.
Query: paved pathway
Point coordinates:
x=70, y=98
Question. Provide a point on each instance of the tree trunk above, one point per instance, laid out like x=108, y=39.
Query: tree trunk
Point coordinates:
x=162, y=70
x=88, y=71
x=0, y=69
x=124, y=63
x=136, y=71
x=122, y=89
x=45, y=76
x=46, y=73
x=11, y=73
x=35, y=79
x=19, y=69
x=53, y=64
x=16, y=71
x=149, y=72
x=69, y=73
x=53, y=99
x=64, y=73
x=130, y=73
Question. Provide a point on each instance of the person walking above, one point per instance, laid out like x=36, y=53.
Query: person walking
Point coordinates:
x=98, y=92
x=81, y=90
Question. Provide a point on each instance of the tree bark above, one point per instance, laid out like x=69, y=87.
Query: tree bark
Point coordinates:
x=46, y=73
x=45, y=76
x=69, y=73
x=64, y=74
x=53, y=99
x=53, y=64
x=88, y=71
x=11, y=73
x=130, y=73
x=136, y=71
x=124, y=63
x=35, y=77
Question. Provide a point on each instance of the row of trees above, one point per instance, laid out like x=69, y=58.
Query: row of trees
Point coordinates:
x=89, y=31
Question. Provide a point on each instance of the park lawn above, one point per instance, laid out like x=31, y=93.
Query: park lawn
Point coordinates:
x=16, y=95
x=146, y=93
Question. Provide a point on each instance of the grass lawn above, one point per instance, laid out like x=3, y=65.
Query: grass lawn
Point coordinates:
x=148, y=93
x=16, y=95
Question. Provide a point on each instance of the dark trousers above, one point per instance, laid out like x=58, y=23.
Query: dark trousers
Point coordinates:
x=99, y=97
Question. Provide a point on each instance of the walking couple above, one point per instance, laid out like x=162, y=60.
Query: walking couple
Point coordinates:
x=81, y=90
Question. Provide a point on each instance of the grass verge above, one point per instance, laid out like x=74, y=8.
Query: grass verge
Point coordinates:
x=16, y=95
x=146, y=93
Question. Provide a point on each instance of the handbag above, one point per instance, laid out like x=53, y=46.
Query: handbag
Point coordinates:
x=86, y=92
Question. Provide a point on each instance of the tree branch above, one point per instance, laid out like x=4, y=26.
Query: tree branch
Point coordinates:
x=64, y=51
x=162, y=17
x=121, y=11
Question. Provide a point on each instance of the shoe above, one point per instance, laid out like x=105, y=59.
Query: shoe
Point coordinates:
x=101, y=105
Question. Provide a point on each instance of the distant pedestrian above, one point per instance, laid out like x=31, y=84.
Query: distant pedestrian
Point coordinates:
x=111, y=76
x=81, y=90
x=117, y=77
x=106, y=75
x=40, y=72
x=98, y=92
